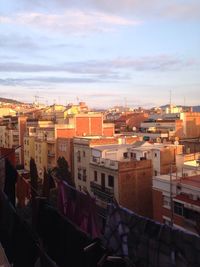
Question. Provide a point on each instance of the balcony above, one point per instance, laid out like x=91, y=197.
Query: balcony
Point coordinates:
x=51, y=154
x=51, y=140
x=107, y=163
x=103, y=193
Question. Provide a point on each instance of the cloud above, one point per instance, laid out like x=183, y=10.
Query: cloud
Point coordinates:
x=105, y=67
x=70, y=21
x=35, y=80
x=16, y=41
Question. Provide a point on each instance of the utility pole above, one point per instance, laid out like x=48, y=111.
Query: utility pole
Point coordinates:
x=171, y=197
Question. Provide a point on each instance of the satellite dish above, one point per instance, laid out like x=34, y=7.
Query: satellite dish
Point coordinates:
x=134, y=129
x=158, y=140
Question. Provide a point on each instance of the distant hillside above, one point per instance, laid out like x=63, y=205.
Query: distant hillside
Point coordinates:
x=11, y=101
x=196, y=108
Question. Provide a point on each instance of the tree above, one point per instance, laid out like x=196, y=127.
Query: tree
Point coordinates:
x=10, y=180
x=34, y=177
x=62, y=171
x=48, y=183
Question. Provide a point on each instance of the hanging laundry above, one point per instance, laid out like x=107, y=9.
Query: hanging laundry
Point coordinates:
x=23, y=191
x=147, y=243
x=19, y=243
x=10, y=181
x=62, y=240
x=79, y=207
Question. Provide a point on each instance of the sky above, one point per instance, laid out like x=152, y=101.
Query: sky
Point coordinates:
x=103, y=52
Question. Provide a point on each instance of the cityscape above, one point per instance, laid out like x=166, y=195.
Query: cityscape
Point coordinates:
x=99, y=133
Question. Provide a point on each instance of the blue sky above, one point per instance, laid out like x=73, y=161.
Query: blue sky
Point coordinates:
x=104, y=52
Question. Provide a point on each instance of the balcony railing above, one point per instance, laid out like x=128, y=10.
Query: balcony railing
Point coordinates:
x=103, y=193
x=107, y=163
x=51, y=154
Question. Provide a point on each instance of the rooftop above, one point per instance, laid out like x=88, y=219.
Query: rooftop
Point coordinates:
x=187, y=199
x=191, y=181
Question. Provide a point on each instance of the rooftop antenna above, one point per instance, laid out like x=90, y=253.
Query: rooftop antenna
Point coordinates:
x=170, y=100
x=77, y=99
x=184, y=102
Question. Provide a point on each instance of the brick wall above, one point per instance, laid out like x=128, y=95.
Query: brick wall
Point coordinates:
x=166, y=158
x=9, y=153
x=108, y=131
x=157, y=205
x=64, y=148
x=96, y=124
x=192, y=124
x=82, y=126
x=65, y=133
x=135, y=186
x=22, y=129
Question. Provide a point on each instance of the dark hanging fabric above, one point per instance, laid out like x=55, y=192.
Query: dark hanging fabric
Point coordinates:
x=10, y=181
x=18, y=241
x=147, y=243
x=62, y=240
x=7, y=224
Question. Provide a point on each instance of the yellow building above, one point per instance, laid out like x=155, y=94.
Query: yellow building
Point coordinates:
x=39, y=144
x=7, y=112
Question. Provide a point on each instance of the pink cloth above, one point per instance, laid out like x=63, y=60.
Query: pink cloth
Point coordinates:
x=79, y=207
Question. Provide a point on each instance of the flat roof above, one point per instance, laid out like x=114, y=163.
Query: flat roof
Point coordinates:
x=192, y=181
x=185, y=198
x=111, y=147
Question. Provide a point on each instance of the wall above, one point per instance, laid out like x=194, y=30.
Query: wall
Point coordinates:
x=64, y=148
x=108, y=131
x=135, y=186
x=192, y=124
x=167, y=157
x=22, y=129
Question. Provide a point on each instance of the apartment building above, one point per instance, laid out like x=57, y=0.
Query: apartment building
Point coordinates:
x=169, y=126
x=12, y=130
x=114, y=174
x=82, y=156
x=176, y=197
x=40, y=144
x=82, y=149
x=102, y=169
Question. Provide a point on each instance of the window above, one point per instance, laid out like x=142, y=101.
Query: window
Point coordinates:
x=133, y=155
x=83, y=153
x=125, y=155
x=84, y=175
x=155, y=155
x=110, y=180
x=155, y=173
x=178, y=208
x=166, y=201
x=103, y=183
x=79, y=173
x=95, y=176
x=79, y=156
